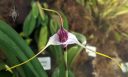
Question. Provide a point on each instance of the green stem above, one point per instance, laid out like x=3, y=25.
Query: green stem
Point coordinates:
x=67, y=73
x=40, y=10
x=65, y=57
x=101, y=54
x=39, y=5
x=66, y=62
x=10, y=68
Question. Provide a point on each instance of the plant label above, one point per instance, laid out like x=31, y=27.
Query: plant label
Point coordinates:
x=45, y=62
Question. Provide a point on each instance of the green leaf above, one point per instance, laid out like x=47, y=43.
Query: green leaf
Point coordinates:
x=57, y=52
x=74, y=51
x=80, y=37
x=117, y=36
x=2, y=65
x=71, y=53
x=53, y=26
x=43, y=36
x=70, y=73
x=66, y=26
x=59, y=71
x=15, y=46
x=35, y=11
x=107, y=12
x=41, y=12
x=5, y=74
x=29, y=24
x=7, y=47
x=45, y=21
x=120, y=11
x=56, y=72
x=102, y=2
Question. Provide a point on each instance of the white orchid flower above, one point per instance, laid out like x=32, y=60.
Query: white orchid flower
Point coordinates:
x=62, y=37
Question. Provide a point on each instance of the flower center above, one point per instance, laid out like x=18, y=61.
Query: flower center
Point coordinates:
x=62, y=34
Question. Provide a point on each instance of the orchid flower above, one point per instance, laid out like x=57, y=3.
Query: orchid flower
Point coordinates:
x=62, y=37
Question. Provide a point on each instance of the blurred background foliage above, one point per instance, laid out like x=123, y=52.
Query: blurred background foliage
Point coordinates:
x=103, y=22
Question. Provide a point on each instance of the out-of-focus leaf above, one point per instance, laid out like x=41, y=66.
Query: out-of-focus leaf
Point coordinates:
x=43, y=36
x=80, y=37
x=124, y=34
x=41, y=12
x=122, y=10
x=5, y=74
x=45, y=21
x=101, y=1
x=45, y=5
x=117, y=37
x=82, y=2
x=66, y=26
x=15, y=47
x=107, y=12
x=57, y=52
x=74, y=51
x=59, y=71
x=94, y=2
x=70, y=73
x=53, y=26
x=55, y=23
x=29, y=24
x=35, y=11
x=7, y=46
x=28, y=41
x=56, y=72
x=2, y=65
x=113, y=8
x=71, y=53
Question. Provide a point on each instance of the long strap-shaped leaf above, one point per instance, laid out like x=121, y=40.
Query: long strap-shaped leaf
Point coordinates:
x=10, y=48
x=24, y=50
x=11, y=58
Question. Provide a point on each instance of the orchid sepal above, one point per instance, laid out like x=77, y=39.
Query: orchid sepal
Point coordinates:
x=54, y=40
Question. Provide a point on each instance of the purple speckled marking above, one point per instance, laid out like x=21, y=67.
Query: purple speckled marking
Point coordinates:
x=63, y=35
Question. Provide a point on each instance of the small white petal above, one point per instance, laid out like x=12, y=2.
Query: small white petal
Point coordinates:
x=91, y=50
x=71, y=39
x=124, y=67
x=54, y=40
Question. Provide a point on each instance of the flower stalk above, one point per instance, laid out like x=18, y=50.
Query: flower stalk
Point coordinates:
x=10, y=68
x=50, y=10
x=66, y=62
x=101, y=54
